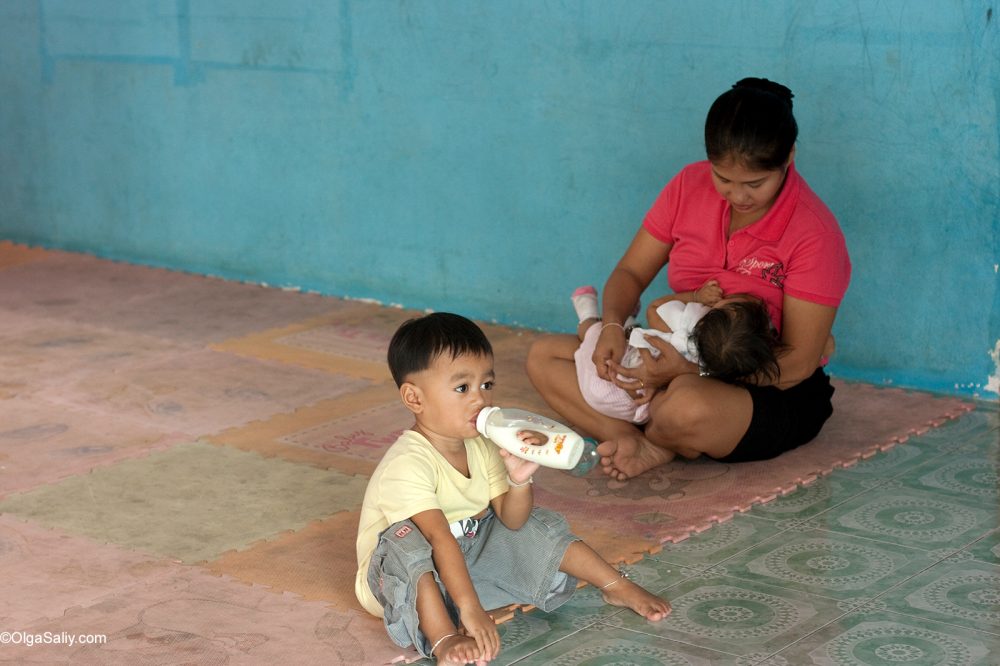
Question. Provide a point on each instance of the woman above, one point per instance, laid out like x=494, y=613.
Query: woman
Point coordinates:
x=746, y=218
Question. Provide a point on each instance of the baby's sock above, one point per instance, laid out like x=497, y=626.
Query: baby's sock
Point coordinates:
x=585, y=303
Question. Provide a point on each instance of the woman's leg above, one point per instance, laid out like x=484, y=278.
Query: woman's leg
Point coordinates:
x=552, y=370
x=693, y=416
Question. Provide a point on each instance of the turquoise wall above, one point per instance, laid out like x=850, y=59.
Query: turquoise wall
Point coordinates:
x=488, y=157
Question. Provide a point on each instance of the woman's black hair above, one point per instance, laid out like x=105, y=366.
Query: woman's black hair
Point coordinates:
x=753, y=124
x=418, y=342
x=737, y=343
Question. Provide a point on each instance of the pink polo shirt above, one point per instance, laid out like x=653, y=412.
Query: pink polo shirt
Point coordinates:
x=797, y=248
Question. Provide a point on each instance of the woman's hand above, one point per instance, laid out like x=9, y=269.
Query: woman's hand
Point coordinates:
x=654, y=373
x=610, y=348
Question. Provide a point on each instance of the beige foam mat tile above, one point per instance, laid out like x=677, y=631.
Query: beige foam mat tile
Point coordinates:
x=15, y=254
x=191, y=502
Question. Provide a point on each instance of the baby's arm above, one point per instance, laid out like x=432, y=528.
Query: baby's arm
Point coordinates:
x=709, y=293
x=514, y=506
x=450, y=565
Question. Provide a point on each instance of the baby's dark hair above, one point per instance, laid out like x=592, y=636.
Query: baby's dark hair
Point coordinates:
x=753, y=124
x=737, y=342
x=419, y=341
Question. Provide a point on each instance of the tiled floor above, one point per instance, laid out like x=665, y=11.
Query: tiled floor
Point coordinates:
x=181, y=458
x=895, y=561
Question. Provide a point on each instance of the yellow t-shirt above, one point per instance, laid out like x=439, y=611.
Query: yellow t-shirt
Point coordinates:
x=413, y=477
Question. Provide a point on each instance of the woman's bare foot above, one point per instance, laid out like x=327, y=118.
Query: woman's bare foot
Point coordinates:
x=457, y=649
x=626, y=594
x=627, y=457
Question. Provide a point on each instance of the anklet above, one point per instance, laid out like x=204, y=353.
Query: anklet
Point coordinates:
x=604, y=587
x=438, y=642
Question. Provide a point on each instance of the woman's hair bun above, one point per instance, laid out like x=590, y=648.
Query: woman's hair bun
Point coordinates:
x=768, y=86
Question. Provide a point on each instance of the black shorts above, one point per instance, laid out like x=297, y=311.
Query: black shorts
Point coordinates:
x=783, y=420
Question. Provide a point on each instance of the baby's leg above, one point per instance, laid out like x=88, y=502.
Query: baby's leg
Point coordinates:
x=581, y=561
x=447, y=644
x=586, y=307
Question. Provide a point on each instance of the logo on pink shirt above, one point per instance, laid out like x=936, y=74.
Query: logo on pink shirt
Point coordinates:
x=772, y=271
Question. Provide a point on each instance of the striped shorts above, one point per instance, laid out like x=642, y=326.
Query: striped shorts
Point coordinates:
x=506, y=567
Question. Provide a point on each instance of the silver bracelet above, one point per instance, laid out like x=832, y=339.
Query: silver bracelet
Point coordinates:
x=510, y=482
x=438, y=642
x=613, y=323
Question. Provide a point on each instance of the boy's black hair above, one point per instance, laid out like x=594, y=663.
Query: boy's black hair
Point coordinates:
x=737, y=342
x=419, y=341
x=752, y=123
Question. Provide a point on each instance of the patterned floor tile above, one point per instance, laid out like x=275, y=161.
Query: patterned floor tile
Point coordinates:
x=957, y=591
x=611, y=646
x=811, y=500
x=985, y=444
x=528, y=632
x=192, y=502
x=737, y=616
x=914, y=518
x=975, y=431
x=826, y=563
x=899, y=459
x=968, y=477
x=721, y=541
x=987, y=549
x=880, y=638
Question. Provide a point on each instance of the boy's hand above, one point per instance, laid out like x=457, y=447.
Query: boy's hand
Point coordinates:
x=532, y=437
x=481, y=627
x=709, y=293
x=518, y=469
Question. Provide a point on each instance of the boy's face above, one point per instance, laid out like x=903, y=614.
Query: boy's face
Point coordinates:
x=450, y=394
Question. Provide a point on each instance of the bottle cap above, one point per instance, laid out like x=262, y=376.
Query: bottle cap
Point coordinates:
x=484, y=414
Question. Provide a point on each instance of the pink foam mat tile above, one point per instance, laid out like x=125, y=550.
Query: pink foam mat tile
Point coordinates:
x=41, y=442
x=684, y=495
x=202, y=392
x=186, y=308
x=47, y=571
x=349, y=433
x=185, y=615
x=39, y=353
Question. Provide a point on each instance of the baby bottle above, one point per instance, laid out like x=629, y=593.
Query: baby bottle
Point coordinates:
x=562, y=447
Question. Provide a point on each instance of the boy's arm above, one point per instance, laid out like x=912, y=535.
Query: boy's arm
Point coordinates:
x=514, y=506
x=450, y=566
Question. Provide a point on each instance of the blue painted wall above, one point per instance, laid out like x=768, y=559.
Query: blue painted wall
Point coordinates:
x=489, y=157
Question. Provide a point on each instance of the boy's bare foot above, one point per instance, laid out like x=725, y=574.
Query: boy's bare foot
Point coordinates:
x=457, y=649
x=627, y=457
x=626, y=594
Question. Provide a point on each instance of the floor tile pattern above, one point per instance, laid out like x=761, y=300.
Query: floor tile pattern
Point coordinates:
x=182, y=460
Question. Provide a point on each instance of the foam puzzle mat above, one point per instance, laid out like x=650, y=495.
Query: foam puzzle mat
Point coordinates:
x=182, y=462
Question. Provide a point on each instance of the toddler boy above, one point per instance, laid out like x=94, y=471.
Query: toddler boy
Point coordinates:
x=447, y=526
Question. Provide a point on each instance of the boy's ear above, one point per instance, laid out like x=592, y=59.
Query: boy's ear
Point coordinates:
x=413, y=397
